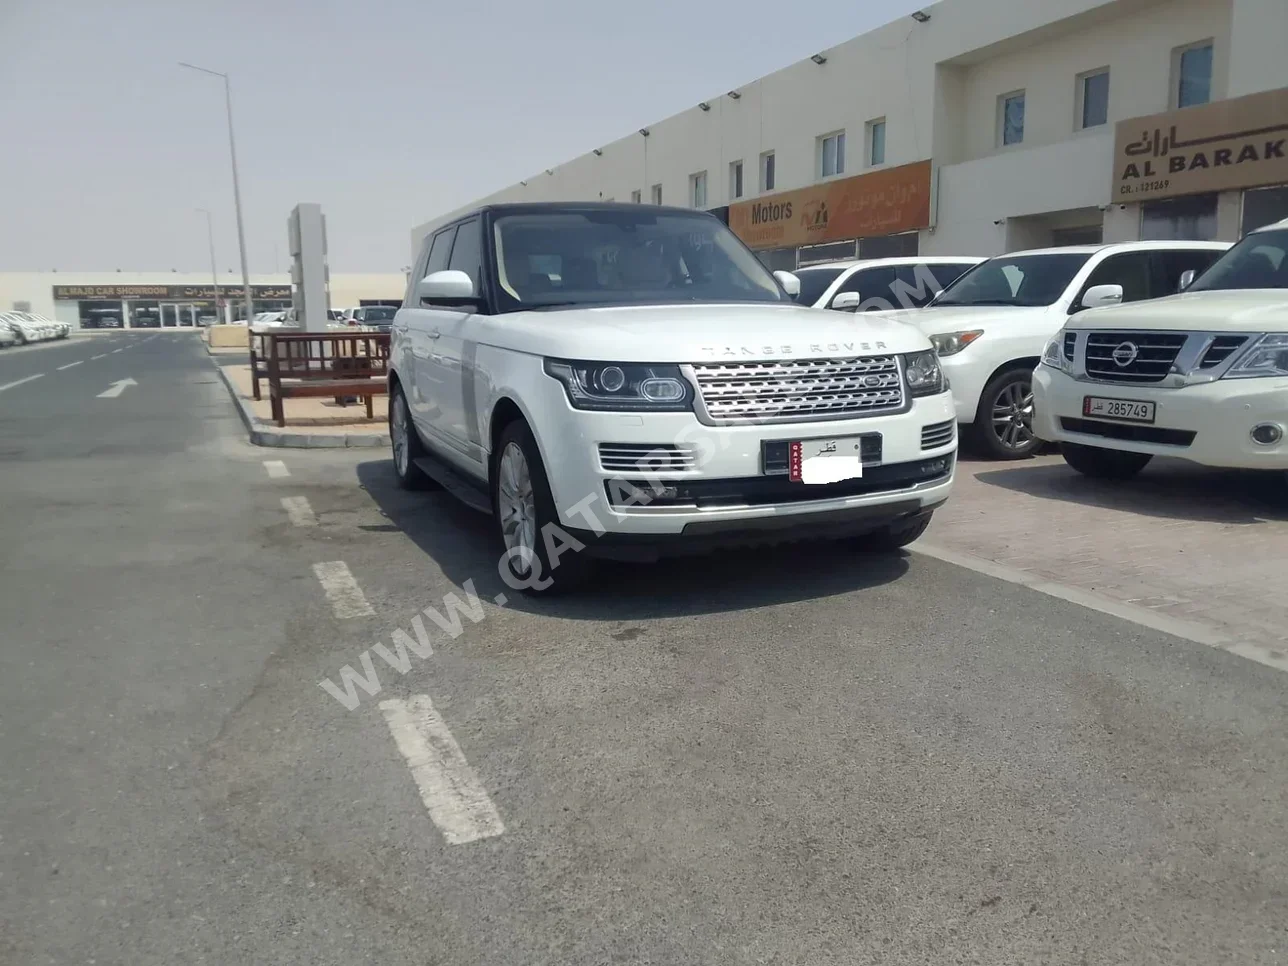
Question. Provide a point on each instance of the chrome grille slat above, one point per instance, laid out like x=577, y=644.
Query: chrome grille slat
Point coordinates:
x=938, y=434
x=645, y=457
x=782, y=390
x=1156, y=353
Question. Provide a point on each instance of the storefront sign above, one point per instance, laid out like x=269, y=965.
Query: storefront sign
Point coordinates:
x=1222, y=146
x=168, y=293
x=881, y=203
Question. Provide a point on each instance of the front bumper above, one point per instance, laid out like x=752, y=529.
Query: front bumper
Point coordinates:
x=727, y=491
x=1209, y=423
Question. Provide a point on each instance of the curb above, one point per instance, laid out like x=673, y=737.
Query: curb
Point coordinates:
x=282, y=439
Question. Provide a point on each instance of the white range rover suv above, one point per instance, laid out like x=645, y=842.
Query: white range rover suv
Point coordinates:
x=629, y=381
x=1202, y=375
x=991, y=325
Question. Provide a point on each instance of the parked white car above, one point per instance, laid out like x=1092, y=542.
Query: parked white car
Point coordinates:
x=991, y=325
x=7, y=336
x=629, y=381
x=25, y=327
x=1202, y=375
x=878, y=284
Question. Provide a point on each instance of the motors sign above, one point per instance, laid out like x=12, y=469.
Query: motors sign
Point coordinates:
x=1222, y=146
x=880, y=203
x=167, y=293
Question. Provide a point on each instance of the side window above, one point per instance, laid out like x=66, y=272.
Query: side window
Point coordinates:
x=467, y=254
x=1131, y=270
x=918, y=284
x=439, y=251
x=874, y=286
x=1170, y=266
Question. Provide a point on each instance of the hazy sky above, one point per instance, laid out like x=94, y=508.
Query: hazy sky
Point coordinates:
x=386, y=112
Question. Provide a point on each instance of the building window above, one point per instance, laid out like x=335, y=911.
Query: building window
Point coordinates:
x=698, y=189
x=1263, y=206
x=891, y=246
x=1010, y=118
x=876, y=142
x=831, y=154
x=1192, y=73
x=735, y=179
x=657, y=194
x=1192, y=218
x=767, y=171
x=636, y=197
x=1093, y=98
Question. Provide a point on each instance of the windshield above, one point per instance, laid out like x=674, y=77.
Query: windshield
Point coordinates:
x=616, y=256
x=1026, y=280
x=814, y=282
x=380, y=313
x=1259, y=261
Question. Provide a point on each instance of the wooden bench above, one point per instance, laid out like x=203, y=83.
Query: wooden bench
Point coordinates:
x=336, y=364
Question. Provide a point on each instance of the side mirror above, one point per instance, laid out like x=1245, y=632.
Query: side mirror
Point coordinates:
x=1187, y=277
x=450, y=288
x=790, y=283
x=1101, y=295
x=846, y=302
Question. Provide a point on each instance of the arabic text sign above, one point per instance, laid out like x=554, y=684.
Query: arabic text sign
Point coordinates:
x=1226, y=145
x=880, y=203
x=173, y=293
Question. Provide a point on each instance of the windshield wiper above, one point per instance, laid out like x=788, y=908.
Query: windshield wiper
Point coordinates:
x=982, y=302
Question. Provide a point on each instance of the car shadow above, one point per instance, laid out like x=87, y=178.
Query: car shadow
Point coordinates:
x=1167, y=488
x=459, y=540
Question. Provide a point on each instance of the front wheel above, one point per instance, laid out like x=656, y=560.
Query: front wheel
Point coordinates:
x=405, y=443
x=894, y=537
x=1004, y=422
x=540, y=556
x=1104, y=464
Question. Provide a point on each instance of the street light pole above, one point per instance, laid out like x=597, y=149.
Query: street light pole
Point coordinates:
x=232, y=151
x=214, y=272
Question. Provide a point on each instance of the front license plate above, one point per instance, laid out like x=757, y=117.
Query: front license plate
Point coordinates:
x=1121, y=410
x=819, y=461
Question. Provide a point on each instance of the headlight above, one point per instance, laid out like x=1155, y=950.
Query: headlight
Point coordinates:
x=1053, y=355
x=922, y=373
x=951, y=343
x=1267, y=357
x=623, y=386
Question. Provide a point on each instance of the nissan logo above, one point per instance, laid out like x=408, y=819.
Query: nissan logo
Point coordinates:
x=1125, y=354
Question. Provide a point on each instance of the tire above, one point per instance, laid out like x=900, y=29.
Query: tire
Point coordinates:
x=405, y=444
x=1003, y=427
x=523, y=507
x=1104, y=464
x=894, y=537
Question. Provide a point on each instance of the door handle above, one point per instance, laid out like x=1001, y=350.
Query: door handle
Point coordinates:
x=434, y=333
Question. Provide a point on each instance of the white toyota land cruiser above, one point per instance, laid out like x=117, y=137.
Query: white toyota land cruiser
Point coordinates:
x=629, y=381
x=1202, y=375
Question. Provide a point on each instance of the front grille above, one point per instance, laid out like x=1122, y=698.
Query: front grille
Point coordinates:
x=797, y=389
x=1070, y=343
x=1222, y=347
x=938, y=434
x=1142, y=357
x=1128, y=433
x=645, y=457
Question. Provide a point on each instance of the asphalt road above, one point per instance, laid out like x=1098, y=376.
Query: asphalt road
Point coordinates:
x=793, y=757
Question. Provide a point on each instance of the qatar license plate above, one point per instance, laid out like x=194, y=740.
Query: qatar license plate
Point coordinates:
x=821, y=461
x=1121, y=410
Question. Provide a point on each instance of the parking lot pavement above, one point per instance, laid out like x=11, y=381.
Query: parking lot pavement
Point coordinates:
x=1204, y=546
x=794, y=756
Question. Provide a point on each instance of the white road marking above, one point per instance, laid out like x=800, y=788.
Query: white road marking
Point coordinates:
x=276, y=469
x=116, y=350
x=103, y=356
x=10, y=385
x=298, y=509
x=455, y=798
x=116, y=388
x=342, y=590
x=1199, y=633
x=69, y=365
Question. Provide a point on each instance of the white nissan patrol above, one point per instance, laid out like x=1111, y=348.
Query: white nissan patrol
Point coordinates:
x=629, y=381
x=1202, y=375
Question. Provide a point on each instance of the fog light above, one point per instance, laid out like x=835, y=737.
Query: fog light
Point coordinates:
x=1267, y=434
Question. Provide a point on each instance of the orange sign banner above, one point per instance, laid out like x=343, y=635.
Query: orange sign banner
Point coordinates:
x=879, y=203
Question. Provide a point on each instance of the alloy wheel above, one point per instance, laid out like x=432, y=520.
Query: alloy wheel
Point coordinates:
x=1013, y=416
x=517, y=507
x=398, y=434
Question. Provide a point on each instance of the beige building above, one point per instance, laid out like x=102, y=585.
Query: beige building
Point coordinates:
x=172, y=299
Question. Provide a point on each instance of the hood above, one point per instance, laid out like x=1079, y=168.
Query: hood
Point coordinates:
x=1239, y=310
x=697, y=333
x=959, y=318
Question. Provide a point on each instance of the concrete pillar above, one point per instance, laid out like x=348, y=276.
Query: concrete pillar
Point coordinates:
x=1122, y=223
x=1229, y=212
x=306, y=229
